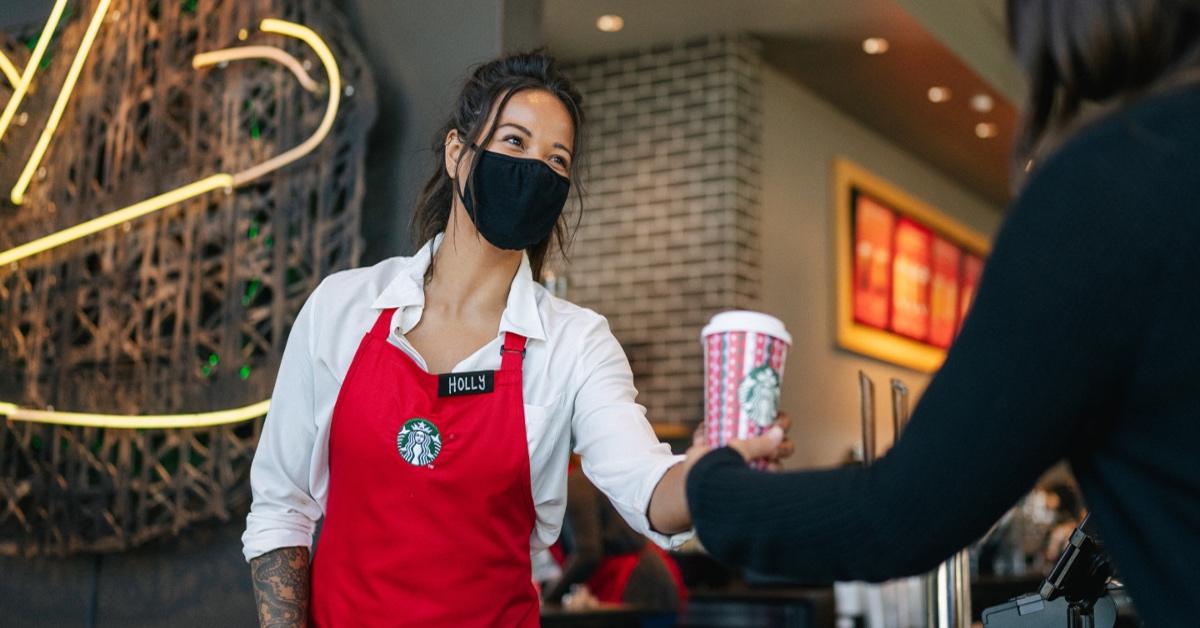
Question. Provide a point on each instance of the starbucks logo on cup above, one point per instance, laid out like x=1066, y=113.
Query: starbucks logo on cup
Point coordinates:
x=759, y=395
x=419, y=442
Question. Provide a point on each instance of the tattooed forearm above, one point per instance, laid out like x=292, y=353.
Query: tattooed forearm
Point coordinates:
x=281, y=587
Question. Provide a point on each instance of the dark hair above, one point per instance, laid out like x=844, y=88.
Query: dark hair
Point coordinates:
x=1076, y=52
x=494, y=83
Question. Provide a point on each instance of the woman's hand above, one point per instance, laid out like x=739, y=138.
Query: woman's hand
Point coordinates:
x=774, y=445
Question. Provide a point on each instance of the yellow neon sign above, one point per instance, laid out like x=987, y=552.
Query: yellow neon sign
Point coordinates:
x=156, y=203
x=235, y=180
x=136, y=421
x=277, y=55
x=39, y=150
x=9, y=70
x=270, y=25
x=125, y=214
x=21, y=84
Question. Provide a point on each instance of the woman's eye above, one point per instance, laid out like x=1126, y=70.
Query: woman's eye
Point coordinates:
x=559, y=160
x=514, y=141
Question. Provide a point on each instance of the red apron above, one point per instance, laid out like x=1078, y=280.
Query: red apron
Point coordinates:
x=430, y=509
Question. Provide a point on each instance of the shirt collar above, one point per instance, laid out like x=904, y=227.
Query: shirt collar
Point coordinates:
x=521, y=314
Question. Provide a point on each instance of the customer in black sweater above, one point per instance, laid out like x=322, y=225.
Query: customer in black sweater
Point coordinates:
x=1083, y=343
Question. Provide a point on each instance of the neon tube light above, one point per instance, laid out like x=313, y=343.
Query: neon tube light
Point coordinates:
x=21, y=85
x=117, y=217
x=277, y=55
x=39, y=150
x=314, y=41
x=9, y=70
x=136, y=421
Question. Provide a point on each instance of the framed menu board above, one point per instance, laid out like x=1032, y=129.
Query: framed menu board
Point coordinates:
x=906, y=272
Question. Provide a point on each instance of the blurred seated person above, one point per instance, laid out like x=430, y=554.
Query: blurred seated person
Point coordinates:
x=1029, y=538
x=1063, y=499
x=601, y=551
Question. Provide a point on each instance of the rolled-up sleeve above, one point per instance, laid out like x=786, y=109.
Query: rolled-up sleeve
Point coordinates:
x=283, y=512
x=621, y=454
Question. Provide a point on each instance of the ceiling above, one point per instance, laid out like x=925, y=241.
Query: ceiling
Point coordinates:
x=570, y=25
x=819, y=44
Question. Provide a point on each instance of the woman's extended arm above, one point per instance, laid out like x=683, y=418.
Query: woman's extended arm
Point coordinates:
x=621, y=455
x=668, y=511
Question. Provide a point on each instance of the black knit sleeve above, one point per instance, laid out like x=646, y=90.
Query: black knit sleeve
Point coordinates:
x=1038, y=367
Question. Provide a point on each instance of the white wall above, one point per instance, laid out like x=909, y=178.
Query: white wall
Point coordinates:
x=802, y=135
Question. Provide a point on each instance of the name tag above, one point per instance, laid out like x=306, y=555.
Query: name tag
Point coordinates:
x=475, y=383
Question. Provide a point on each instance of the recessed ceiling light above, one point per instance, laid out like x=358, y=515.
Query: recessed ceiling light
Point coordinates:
x=610, y=23
x=982, y=103
x=938, y=93
x=985, y=130
x=875, y=45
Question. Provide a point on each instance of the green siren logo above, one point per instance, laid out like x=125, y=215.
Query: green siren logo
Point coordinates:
x=759, y=395
x=419, y=442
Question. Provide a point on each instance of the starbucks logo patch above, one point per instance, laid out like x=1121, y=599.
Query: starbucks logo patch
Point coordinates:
x=419, y=442
x=759, y=395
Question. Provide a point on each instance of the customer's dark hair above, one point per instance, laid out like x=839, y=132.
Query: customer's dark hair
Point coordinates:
x=1076, y=52
x=493, y=84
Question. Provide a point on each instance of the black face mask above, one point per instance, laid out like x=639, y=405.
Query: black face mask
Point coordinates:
x=516, y=201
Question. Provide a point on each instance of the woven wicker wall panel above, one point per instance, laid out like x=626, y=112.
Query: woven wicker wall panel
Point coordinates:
x=186, y=309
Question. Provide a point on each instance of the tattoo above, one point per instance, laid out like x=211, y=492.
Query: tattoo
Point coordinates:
x=281, y=587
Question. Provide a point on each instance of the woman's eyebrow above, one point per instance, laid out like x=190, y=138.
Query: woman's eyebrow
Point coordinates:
x=517, y=126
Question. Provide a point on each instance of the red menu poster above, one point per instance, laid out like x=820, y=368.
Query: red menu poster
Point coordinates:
x=943, y=298
x=873, y=228
x=910, y=280
x=972, y=267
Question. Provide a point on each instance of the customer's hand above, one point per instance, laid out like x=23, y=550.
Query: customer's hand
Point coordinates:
x=774, y=445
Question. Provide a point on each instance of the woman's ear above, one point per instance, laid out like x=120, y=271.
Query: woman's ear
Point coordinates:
x=454, y=148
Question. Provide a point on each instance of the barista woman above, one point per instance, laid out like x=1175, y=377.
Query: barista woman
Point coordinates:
x=425, y=405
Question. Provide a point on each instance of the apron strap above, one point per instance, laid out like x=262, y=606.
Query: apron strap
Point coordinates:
x=513, y=352
x=380, y=329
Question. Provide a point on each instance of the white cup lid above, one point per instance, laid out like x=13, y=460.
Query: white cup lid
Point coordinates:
x=747, y=320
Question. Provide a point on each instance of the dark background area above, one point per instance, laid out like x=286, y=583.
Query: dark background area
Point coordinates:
x=196, y=579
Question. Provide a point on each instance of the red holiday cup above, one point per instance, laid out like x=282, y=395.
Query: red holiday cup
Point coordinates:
x=744, y=354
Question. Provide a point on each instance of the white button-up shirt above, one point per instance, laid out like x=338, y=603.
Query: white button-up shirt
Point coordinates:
x=577, y=383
